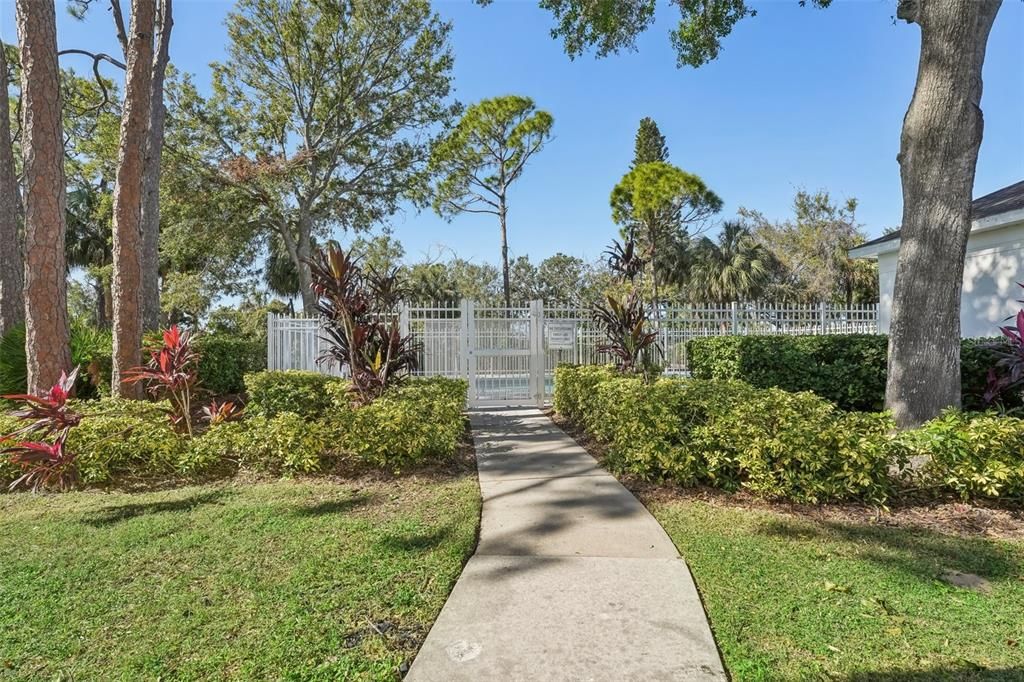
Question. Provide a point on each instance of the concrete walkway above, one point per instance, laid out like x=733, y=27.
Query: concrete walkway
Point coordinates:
x=572, y=579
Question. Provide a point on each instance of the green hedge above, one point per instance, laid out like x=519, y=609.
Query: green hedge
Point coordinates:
x=848, y=370
x=778, y=444
x=418, y=421
x=121, y=440
x=303, y=393
x=732, y=435
x=971, y=455
x=225, y=359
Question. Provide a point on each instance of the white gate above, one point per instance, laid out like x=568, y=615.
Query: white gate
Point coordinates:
x=504, y=354
x=509, y=355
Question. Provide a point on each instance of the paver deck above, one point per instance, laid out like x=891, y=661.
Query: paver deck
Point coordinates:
x=572, y=579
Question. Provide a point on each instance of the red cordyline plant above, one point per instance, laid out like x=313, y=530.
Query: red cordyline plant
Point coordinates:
x=1008, y=372
x=624, y=322
x=221, y=412
x=44, y=464
x=352, y=304
x=171, y=374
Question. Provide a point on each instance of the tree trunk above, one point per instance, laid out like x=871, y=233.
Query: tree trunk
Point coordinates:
x=506, y=282
x=303, y=251
x=127, y=285
x=47, y=346
x=151, y=172
x=108, y=303
x=12, y=263
x=939, y=145
x=655, y=304
x=100, y=313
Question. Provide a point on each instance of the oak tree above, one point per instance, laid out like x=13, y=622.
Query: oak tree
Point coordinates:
x=323, y=115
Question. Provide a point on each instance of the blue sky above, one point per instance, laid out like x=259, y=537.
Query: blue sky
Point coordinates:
x=799, y=98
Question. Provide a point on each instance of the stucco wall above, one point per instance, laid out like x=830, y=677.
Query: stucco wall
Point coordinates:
x=994, y=265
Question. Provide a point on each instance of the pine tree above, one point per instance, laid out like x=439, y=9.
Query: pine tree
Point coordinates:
x=650, y=143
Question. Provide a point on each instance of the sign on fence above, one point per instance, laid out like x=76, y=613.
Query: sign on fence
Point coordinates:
x=561, y=334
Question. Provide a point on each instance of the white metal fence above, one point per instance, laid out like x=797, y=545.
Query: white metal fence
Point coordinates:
x=510, y=354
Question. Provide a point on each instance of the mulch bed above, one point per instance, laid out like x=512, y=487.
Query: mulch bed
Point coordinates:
x=942, y=515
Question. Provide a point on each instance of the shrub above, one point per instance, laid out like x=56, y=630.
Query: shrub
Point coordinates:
x=574, y=385
x=798, y=446
x=225, y=359
x=420, y=420
x=119, y=439
x=91, y=350
x=976, y=455
x=730, y=435
x=976, y=358
x=285, y=443
x=848, y=370
x=303, y=393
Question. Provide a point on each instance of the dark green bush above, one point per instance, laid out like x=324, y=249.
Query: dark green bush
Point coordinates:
x=848, y=370
x=729, y=434
x=972, y=455
x=225, y=359
x=975, y=362
x=303, y=393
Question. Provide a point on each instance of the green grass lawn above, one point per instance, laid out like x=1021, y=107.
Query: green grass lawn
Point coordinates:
x=797, y=599
x=302, y=580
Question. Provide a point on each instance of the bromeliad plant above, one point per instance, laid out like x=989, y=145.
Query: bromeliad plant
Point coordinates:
x=42, y=456
x=221, y=412
x=353, y=304
x=624, y=322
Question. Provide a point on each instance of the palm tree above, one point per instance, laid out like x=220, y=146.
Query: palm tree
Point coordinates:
x=732, y=268
x=280, y=273
x=88, y=246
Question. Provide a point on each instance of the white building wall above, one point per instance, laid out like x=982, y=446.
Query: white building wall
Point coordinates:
x=993, y=266
x=886, y=280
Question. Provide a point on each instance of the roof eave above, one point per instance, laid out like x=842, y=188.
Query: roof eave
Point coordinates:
x=992, y=222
